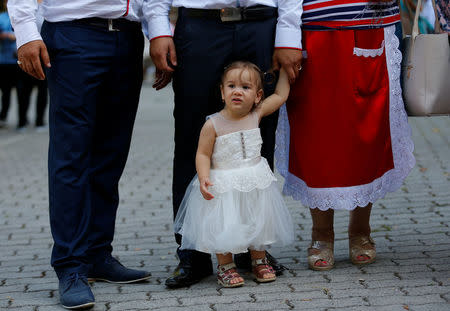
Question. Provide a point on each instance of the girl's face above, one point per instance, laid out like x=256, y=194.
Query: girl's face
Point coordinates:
x=240, y=91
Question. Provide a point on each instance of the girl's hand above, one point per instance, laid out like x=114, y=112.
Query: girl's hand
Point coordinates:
x=204, y=184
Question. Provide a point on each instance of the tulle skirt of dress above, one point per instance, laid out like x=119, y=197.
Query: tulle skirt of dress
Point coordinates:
x=234, y=220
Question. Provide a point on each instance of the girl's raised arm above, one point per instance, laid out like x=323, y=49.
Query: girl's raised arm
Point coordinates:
x=278, y=98
x=203, y=157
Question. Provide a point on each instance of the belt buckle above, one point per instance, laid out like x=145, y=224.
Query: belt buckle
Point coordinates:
x=111, y=26
x=230, y=15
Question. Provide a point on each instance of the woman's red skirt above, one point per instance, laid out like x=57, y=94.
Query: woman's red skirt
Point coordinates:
x=345, y=114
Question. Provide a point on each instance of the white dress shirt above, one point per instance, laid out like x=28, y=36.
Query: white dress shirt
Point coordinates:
x=288, y=33
x=23, y=13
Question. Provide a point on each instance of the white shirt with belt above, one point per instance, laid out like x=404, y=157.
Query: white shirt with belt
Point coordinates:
x=23, y=13
x=288, y=33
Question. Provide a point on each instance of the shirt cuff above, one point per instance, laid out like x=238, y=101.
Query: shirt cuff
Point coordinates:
x=159, y=27
x=288, y=38
x=25, y=33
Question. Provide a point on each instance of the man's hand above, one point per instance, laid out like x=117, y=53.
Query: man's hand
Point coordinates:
x=30, y=56
x=162, y=78
x=290, y=60
x=162, y=51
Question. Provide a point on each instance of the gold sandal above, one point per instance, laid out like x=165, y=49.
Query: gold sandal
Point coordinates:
x=362, y=246
x=321, y=251
x=226, y=273
x=260, y=268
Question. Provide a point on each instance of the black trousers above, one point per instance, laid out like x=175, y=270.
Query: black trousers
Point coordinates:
x=204, y=47
x=25, y=86
x=8, y=79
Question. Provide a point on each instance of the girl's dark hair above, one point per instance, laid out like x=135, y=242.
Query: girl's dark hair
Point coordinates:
x=245, y=65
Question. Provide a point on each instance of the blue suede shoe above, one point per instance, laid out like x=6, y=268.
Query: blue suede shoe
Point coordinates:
x=75, y=292
x=112, y=271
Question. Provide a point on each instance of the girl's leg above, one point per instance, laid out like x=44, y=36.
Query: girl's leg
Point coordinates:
x=224, y=273
x=361, y=245
x=224, y=259
x=257, y=254
x=320, y=253
x=261, y=268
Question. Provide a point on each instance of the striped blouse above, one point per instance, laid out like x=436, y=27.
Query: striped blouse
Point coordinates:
x=345, y=14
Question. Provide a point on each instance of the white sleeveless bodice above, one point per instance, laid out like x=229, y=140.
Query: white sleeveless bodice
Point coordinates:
x=237, y=149
x=236, y=162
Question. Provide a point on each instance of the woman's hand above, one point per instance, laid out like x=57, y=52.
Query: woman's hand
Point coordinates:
x=204, y=184
x=288, y=59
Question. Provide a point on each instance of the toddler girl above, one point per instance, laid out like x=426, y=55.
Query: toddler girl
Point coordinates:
x=233, y=203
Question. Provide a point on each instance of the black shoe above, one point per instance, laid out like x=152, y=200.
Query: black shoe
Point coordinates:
x=112, y=271
x=193, y=267
x=75, y=292
x=243, y=261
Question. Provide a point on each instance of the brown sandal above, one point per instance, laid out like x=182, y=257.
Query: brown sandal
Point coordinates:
x=321, y=251
x=226, y=273
x=362, y=246
x=260, y=268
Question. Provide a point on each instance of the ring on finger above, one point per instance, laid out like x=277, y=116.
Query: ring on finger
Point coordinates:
x=299, y=67
x=19, y=62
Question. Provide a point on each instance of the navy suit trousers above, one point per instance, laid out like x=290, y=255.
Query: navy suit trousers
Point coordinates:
x=94, y=85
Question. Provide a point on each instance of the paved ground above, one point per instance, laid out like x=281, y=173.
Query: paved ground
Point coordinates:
x=411, y=228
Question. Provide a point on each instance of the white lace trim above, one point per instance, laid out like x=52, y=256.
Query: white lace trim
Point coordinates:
x=244, y=179
x=369, y=52
x=349, y=198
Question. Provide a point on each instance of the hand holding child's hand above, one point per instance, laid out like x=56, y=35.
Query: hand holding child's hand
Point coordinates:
x=204, y=184
x=290, y=60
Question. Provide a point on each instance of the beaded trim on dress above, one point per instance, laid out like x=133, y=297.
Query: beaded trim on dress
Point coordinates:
x=349, y=198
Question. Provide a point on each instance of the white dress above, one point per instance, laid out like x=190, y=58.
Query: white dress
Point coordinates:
x=248, y=210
